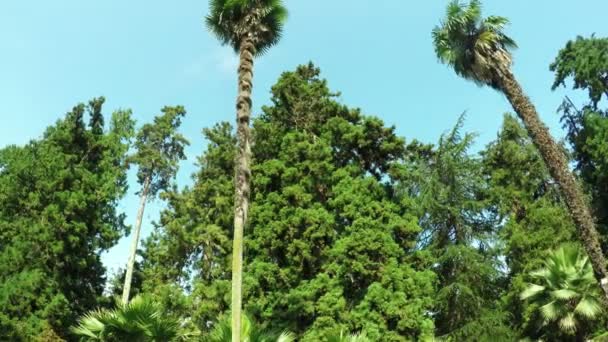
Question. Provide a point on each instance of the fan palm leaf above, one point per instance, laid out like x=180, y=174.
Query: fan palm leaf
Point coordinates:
x=231, y=21
x=342, y=337
x=250, y=332
x=565, y=290
x=141, y=319
x=476, y=48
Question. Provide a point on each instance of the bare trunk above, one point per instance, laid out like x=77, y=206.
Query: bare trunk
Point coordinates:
x=242, y=179
x=558, y=168
x=131, y=262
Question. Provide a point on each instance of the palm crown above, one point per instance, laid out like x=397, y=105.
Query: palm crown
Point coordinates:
x=141, y=319
x=260, y=20
x=565, y=289
x=476, y=47
x=250, y=332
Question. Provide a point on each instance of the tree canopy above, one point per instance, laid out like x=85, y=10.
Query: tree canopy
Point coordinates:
x=349, y=231
x=58, y=212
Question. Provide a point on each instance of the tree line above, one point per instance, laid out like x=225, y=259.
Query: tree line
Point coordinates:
x=331, y=225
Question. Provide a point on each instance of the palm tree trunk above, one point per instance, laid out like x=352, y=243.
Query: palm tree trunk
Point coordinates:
x=558, y=168
x=131, y=262
x=242, y=179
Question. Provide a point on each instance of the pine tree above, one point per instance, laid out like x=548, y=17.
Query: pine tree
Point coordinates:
x=459, y=233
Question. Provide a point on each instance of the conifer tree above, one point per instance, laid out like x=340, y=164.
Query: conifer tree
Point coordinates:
x=58, y=199
x=159, y=148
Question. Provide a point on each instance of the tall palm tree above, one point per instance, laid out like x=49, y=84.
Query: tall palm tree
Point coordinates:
x=478, y=50
x=565, y=291
x=250, y=27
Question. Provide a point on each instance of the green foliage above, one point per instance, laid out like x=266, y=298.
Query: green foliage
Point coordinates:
x=341, y=337
x=141, y=319
x=234, y=20
x=117, y=281
x=460, y=238
x=250, y=332
x=583, y=61
x=159, y=148
x=476, y=47
x=330, y=247
x=527, y=203
x=58, y=200
x=194, y=234
x=350, y=228
x=566, y=293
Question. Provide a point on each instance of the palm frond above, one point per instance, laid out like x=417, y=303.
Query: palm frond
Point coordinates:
x=342, y=337
x=140, y=319
x=250, y=332
x=286, y=337
x=551, y=311
x=565, y=290
x=531, y=291
x=232, y=21
x=588, y=307
x=568, y=323
x=475, y=47
x=565, y=294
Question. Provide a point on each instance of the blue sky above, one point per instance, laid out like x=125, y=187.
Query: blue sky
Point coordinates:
x=144, y=54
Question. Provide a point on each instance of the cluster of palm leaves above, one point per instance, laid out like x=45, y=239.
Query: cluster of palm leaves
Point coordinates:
x=250, y=332
x=140, y=320
x=565, y=290
x=348, y=338
x=476, y=47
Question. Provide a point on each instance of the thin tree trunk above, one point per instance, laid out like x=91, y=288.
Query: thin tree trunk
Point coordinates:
x=242, y=179
x=131, y=262
x=558, y=168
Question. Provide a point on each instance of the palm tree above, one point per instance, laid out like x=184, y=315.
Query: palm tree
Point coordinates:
x=478, y=50
x=250, y=332
x=566, y=291
x=250, y=27
x=140, y=320
x=347, y=338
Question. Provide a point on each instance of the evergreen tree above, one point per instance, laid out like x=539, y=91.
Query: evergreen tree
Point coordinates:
x=531, y=217
x=58, y=197
x=331, y=246
x=191, y=244
x=585, y=62
x=159, y=148
x=459, y=233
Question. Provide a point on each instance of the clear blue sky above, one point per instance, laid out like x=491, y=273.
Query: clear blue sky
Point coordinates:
x=144, y=54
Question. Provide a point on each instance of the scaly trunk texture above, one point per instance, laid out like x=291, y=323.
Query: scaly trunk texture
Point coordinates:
x=242, y=179
x=131, y=262
x=558, y=168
